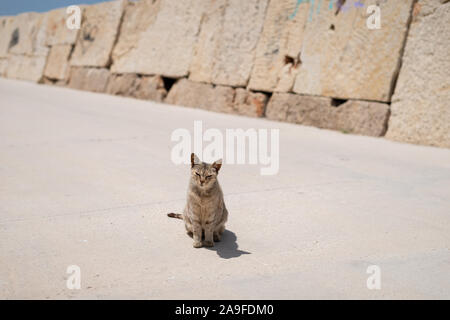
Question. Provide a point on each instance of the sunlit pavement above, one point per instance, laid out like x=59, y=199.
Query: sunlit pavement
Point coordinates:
x=87, y=179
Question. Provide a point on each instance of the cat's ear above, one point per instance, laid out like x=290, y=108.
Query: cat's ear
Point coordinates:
x=217, y=165
x=194, y=160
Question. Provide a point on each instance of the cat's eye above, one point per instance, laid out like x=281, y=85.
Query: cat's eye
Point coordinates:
x=197, y=174
x=207, y=177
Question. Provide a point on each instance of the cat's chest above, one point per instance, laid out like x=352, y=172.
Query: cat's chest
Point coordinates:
x=205, y=206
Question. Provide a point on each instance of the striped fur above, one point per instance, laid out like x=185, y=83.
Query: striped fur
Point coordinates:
x=205, y=212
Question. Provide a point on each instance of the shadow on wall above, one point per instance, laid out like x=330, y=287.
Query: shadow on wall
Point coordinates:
x=227, y=248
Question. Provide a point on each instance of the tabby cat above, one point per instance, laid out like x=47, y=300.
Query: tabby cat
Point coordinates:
x=205, y=213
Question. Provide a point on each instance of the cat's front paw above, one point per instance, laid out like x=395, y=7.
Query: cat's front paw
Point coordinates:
x=197, y=244
x=208, y=244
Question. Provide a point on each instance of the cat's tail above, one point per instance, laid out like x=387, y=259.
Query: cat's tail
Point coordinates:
x=175, y=215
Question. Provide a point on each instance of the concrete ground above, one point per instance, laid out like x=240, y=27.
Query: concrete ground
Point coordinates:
x=86, y=179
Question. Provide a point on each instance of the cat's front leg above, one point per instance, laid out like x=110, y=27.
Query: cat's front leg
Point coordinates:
x=209, y=236
x=197, y=234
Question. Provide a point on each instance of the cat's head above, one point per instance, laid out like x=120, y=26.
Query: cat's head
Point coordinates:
x=204, y=174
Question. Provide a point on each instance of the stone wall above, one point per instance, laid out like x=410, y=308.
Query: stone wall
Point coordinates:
x=420, y=109
x=302, y=62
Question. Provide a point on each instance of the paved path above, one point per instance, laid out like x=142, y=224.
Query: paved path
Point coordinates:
x=86, y=180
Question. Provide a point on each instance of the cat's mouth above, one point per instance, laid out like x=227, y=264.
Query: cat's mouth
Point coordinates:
x=203, y=184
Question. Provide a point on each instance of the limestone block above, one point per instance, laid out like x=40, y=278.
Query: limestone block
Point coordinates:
x=58, y=62
x=57, y=30
x=133, y=85
x=307, y=110
x=28, y=34
x=249, y=103
x=123, y=84
x=166, y=47
x=6, y=31
x=206, y=49
x=137, y=18
x=26, y=67
x=23, y=43
x=151, y=88
x=201, y=95
x=421, y=102
x=342, y=58
x=220, y=99
x=89, y=79
x=217, y=98
x=362, y=117
x=3, y=66
x=277, y=54
x=359, y=117
x=98, y=34
x=227, y=42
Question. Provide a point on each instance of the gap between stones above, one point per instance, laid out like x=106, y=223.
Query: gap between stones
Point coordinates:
x=402, y=51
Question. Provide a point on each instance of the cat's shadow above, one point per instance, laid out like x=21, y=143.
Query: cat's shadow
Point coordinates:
x=227, y=248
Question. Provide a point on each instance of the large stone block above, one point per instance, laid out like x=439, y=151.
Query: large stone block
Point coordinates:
x=123, y=84
x=166, y=47
x=89, y=79
x=277, y=54
x=307, y=110
x=249, y=103
x=27, y=34
x=58, y=62
x=227, y=42
x=26, y=67
x=23, y=45
x=191, y=94
x=421, y=103
x=98, y=34
x=57, y=30
x=362, y=117
x=133, y=85
x=217, y=98
x=206, y=48
x=359, y=117
x=3, y=66
x=6, y=31
x=137, y=18
x=151, y=88
x=342, y=58
x=201, y=95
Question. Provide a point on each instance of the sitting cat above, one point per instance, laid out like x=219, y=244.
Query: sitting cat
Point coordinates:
x=205, y=212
